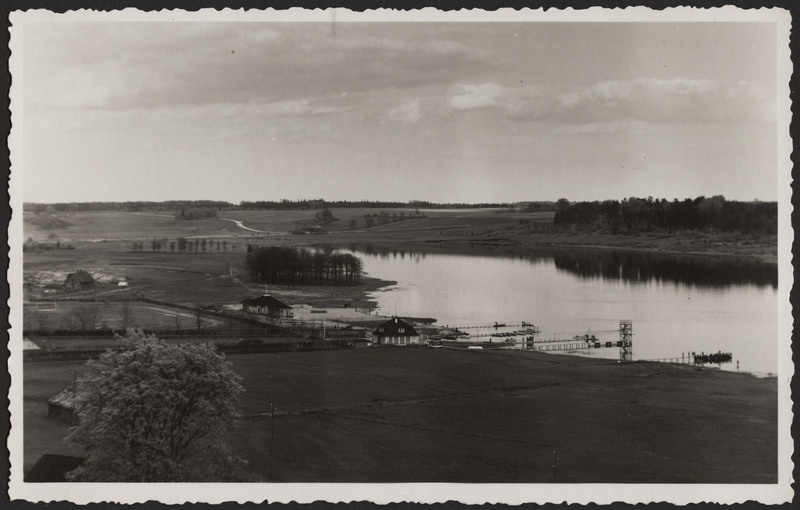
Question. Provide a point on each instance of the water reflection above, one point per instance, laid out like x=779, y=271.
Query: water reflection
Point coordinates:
x=628, y=266
x=635, y=267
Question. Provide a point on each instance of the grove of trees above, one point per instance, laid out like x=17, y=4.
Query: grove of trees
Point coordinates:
x=297, y=266
x=156, y=412
x=184, y=245
x=639, y=214
x=196, y=213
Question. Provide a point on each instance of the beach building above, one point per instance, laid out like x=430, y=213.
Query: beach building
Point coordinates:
x=79, y=281
x=395, y=331
x=267, y=305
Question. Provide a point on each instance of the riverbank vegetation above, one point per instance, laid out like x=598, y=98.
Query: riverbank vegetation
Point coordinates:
x=294, y=266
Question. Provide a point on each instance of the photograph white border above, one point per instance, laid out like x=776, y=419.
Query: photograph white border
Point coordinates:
x=409, y=492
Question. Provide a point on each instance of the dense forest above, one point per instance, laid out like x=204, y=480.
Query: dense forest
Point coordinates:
x=297, y=266
x=641, y=215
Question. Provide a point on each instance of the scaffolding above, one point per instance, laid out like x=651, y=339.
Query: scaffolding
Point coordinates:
x=625, y=340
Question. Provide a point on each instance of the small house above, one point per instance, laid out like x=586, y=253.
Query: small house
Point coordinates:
x=62, y=405
x=79, y=281
x=395, y=331
x=267, y=305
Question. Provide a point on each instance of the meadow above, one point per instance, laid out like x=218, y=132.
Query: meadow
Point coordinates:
x=477, y=416
x=452, y=229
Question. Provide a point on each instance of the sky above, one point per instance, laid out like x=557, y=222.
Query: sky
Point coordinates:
x=446, y=112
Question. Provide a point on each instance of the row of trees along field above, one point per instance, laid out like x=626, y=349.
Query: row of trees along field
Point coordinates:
x=639, y=214
x=169, y=206
x=200, y=205
x=183, y=245
x=297, y=266
x=361, y=204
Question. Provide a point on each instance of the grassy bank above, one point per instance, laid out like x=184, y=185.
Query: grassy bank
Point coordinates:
x=401, y=415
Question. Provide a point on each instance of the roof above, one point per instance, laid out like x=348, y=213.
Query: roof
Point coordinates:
x=81, y=276
x=392, y=328
x=53, y=468
x=64, y=398
x=268, y=301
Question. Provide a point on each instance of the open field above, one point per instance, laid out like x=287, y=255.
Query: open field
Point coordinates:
x=66, y=316
x=217, y=279
x=451, y=228
x=404, y=414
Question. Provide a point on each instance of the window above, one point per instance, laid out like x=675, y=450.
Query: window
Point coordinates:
x=402, y=330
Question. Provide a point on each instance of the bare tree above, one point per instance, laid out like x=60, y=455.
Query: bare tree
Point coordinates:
x=125, y=314
x=86, y=316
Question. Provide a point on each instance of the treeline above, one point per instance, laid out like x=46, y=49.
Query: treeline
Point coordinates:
x=178, y=205
x=170, y=205
x=297, y=266
x=360, y=204
x=639, y=214
x=184, y=245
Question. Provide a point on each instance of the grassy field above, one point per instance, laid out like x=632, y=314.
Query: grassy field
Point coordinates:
x=402, y=415
x=452, y=228
x=68, y=316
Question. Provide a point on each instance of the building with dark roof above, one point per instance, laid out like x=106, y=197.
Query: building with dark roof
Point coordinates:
x=62, y=405
x=267, y=305
x=52, y=468
x=395, y=331
x=79, y=281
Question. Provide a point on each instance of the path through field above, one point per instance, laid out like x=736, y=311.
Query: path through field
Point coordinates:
x=240, y=224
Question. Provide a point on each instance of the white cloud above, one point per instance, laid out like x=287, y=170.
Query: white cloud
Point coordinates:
x=470, y=97
x=650, y=100
x=409, y=112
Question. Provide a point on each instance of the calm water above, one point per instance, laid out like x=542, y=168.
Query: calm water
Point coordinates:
x=677, y=305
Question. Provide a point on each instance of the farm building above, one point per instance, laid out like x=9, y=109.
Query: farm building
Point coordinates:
x=62, y=405
x=80, y=280
x=267, y=305
x=395, y=331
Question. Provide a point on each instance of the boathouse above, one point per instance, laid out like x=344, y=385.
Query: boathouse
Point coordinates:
x=395, y=331
x=79, y=280
x=267, y=305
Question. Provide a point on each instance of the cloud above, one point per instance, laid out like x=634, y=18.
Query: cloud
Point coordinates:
x=648, y=100
x=409, y=112
x=470, y=97
x=123, y=65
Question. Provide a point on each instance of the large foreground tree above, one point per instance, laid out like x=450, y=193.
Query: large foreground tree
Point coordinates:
x=156, y=412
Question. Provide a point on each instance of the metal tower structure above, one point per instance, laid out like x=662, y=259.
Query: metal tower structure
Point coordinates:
x=625, y=340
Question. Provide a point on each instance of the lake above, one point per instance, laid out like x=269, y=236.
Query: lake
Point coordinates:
x=677, y=304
